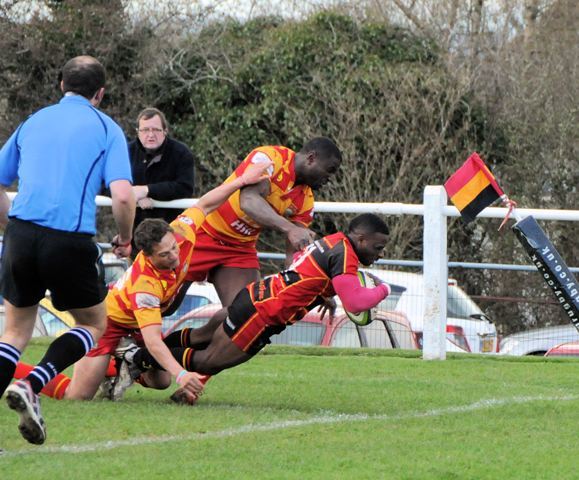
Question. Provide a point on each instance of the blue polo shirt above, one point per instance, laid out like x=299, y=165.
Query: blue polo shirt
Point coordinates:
x=61, y=155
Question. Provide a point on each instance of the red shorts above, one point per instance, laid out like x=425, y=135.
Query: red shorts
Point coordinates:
x=210, y=253
x=108, y=343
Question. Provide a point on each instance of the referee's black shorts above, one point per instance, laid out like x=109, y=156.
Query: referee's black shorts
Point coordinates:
x=36, y=259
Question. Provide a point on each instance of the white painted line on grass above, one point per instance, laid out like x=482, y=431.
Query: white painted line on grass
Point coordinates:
x=274, y=426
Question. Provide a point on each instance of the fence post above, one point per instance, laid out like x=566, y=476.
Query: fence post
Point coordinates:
x=435, y=272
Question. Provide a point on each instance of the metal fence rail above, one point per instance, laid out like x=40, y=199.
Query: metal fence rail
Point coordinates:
x=435, y=262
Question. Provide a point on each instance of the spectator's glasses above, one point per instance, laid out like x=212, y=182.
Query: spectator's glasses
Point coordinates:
x=147, y=130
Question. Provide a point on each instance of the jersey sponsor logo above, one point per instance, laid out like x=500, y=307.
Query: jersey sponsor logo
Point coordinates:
x=243, y=228
x=146, y=300
x=302, y=256
x=185, y=219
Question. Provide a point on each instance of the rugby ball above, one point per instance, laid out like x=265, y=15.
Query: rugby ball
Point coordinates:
x=365, y=317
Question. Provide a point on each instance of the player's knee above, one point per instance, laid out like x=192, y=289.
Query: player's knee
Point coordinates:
x=76, y=395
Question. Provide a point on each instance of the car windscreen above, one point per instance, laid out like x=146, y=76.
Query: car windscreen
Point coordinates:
x=390, y=302
x=190, y=302
x=459, y=304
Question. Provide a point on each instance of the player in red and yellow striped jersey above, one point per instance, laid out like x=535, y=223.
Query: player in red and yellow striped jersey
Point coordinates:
x=230, y=224
x=326, y=267
x=225, y=250
x=136, y=302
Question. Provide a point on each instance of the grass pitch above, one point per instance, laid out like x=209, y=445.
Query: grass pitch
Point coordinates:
x=320, y=414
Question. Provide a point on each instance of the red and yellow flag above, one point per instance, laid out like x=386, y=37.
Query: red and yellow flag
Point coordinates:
x=472, y=188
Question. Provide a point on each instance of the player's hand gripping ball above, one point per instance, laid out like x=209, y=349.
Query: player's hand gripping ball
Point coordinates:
x=365, y=317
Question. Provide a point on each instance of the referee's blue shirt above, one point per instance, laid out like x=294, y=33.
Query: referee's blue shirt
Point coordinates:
x=61, y=156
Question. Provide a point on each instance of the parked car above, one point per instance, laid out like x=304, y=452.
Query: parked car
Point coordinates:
x=468, y=328
x=538, y=341
x=456, y=340
x=569, y=349
x=114, y=267
x=388, y=330
x=49, y=321
x=199, y=294
x=203, y=293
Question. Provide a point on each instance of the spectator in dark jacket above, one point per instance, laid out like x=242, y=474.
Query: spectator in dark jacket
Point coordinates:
x=162, y=167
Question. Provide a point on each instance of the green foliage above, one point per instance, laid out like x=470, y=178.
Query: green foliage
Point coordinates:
x=379, y=91
x=402, y=115
x=273, y=77
x=33, y=53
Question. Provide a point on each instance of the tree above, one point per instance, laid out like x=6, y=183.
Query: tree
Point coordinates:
x=381, y=92
x=33, y=50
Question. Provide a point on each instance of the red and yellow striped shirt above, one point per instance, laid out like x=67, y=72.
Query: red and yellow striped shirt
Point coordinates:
x=143, y=292
x=230, y=224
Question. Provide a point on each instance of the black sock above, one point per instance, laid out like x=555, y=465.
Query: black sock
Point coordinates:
x=9, y=357
x=180, y=338
x=67, y=349
x=145, y=361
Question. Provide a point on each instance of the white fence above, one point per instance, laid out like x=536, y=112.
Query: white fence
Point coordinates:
x=435, y=261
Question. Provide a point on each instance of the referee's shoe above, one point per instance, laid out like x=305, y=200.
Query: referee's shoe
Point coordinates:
x=26, y=403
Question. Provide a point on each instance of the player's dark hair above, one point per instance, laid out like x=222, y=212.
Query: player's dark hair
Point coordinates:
x=150, y=112
x=324, y=148
x=83, y=75
x=368, y=223
x=149, y=233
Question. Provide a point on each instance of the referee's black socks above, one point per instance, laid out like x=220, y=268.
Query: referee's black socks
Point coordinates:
x=67, y=349
x=9, y=357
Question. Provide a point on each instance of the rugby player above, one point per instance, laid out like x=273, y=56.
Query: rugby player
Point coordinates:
x=326, y=267
x=136, y=302
x=225, y=251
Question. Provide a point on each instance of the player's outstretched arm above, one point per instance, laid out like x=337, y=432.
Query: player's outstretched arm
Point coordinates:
x=214, y=198
x=356, y=298
x=153, y=337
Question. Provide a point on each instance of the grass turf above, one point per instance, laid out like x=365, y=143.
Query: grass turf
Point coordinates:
x=321, y=414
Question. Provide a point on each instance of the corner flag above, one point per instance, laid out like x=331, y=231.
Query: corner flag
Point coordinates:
x=472, y=188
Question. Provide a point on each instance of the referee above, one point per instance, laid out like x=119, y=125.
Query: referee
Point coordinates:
x=60, y=155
